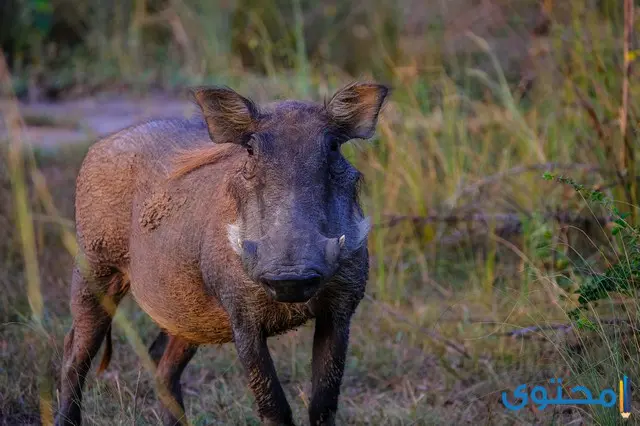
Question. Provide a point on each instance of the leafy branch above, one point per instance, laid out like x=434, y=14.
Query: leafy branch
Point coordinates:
x=622, y=277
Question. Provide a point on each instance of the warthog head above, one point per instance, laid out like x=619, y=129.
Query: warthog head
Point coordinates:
x=296, y=195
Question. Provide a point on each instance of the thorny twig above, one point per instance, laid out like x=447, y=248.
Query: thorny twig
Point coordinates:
x=522, y=332
x=518, y=170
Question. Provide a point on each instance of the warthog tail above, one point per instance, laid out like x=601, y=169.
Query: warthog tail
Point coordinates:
x=108, y=350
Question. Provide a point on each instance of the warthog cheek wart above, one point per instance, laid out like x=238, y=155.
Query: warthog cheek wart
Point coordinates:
x=233, y=234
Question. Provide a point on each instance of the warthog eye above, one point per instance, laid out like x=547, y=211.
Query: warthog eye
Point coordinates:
x=338, y=164
x=249, y=144
x=249, y=169
x=334, y=141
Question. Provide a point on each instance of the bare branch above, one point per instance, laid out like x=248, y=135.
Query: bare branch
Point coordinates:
x=509, y=220
x=518, y=170
x=525, y=331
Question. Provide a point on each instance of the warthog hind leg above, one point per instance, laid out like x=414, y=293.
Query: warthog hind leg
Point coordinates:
x=177, y=354
x=93, y=302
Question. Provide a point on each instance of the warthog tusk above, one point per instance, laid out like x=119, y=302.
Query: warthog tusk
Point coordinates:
x=341, y=241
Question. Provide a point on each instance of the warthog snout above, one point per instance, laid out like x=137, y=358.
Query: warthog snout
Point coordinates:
x=292, y=288
x=294, y=275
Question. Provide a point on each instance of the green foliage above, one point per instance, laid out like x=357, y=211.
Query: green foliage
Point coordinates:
x=621, y=277
x=24, y=24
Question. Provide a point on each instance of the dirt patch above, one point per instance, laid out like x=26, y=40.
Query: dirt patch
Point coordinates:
x=95, y=117
x=156, y=208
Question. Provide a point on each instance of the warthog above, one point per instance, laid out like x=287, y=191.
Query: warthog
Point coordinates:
x=232, y=226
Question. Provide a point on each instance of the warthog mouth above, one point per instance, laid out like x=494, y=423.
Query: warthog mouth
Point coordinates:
x=292, y=288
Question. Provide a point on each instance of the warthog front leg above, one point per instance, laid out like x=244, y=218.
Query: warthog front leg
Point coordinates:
x=330, y=342
x=253, y=352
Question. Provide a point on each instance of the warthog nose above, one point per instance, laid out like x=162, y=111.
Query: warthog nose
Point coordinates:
x=292, y=288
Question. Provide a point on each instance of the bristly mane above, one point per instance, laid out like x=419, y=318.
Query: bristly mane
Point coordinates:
x=189, y=160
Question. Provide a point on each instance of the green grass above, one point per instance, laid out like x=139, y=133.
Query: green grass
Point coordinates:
x=432, y=342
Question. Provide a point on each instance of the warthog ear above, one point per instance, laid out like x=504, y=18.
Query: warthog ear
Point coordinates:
x=355, y=108
x=230, y=117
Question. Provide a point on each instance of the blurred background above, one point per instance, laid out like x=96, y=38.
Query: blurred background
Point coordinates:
x=502, y=185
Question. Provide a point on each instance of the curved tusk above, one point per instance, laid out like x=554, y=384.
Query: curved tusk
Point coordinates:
x=341, y=241
x=239, y=242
